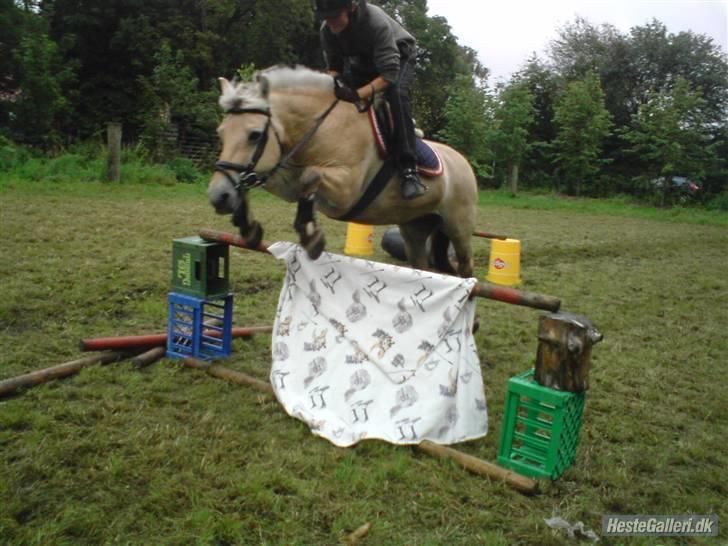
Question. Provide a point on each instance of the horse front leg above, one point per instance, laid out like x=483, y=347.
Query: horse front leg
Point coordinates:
x=310, y=234
x=250, y=229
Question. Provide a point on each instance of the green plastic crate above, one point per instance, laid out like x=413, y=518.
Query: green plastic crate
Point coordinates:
x=540, y=428
x=200, y=268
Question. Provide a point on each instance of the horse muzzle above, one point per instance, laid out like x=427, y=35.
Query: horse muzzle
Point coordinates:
x=223, y=197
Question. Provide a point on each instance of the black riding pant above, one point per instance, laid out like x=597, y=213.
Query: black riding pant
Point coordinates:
x=398, y=97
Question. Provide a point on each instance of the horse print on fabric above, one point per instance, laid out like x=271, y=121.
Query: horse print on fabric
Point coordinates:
x=356, y=311
x=318, y=343
x=340, y=329
x=402, y=321
x=384, y=344
x=405, y=397
x=359, y=381
x=316, y=368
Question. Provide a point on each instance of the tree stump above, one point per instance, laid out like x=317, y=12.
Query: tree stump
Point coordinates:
x=564, y=351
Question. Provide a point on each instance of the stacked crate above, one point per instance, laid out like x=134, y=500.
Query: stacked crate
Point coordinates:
x=200, y=303
x=540, y=428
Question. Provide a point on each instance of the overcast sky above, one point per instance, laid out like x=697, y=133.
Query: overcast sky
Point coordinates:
x=506, y=33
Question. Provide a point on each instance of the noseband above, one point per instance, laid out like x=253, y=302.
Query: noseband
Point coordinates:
x=247, y=177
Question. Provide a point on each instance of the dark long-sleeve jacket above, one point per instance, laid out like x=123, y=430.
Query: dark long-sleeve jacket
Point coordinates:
x=373, y=45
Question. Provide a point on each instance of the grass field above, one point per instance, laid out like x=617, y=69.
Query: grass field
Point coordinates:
x=167, y=455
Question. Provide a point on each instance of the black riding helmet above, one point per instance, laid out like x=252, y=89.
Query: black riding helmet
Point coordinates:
x=331, y=8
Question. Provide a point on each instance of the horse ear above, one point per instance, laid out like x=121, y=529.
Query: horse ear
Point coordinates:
x=264, y=86
x=225, y=85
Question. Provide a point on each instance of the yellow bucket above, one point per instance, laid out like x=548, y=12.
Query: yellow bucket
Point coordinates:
x=359, y=239
x=505, y=262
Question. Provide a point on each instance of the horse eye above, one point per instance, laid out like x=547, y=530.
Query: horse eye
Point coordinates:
x=255, y=136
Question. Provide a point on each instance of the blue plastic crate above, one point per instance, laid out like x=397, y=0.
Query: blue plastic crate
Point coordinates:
x=187, y=333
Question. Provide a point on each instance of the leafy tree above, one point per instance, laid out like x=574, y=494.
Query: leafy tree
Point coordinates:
x=545, y=86
x=469, y=121
x=660, y=58
x=514, y=115
x=583, y=124
x=276, y=30
x=648, y=58
x=671, y=135
x=40, y=106
x=173, y=102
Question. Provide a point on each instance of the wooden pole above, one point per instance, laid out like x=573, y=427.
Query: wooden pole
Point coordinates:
x=154, y=340
x=486, y=235
x=516, y=297
x=56, y=372
x=481, y=290
x=150, y=357
x=481, y=467
x=227, y=374
x=232, y=240
x=470, y=463
x=113, y=139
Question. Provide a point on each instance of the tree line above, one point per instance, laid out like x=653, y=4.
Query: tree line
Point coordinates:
x=602, y=112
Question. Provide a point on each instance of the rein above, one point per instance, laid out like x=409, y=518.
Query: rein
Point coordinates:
x=247, y=176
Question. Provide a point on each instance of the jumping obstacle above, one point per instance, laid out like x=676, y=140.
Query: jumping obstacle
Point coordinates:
x=481, y=289
x=472, y=464
x=200, y=303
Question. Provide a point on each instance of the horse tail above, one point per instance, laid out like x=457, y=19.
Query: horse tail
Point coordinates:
x=440, y=253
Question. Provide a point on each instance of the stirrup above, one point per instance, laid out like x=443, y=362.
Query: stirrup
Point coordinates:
x=411, y=185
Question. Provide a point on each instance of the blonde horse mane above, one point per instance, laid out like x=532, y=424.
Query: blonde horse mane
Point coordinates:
x=254, y=94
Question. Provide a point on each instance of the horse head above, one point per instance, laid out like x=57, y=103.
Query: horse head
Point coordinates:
x=248, y=153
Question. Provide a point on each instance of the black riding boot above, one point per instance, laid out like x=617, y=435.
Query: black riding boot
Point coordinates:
x=411, y=185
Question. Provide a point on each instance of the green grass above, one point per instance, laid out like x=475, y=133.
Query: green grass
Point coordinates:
x=168, y=455
x=622, y=205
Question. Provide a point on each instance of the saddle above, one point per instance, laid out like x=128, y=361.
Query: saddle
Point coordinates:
x=429, y=163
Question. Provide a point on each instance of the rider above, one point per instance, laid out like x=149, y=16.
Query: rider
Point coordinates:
x=373, y=53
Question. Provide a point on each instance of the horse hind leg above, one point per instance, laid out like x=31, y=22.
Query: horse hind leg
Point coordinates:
x=440, y=253
x=458, y=229
x=415, y=235
x=464, y=254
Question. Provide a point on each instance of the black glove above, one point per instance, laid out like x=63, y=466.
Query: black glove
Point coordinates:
x=345, y=93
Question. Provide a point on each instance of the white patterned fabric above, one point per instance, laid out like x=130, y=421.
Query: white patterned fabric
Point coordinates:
x=370, y=350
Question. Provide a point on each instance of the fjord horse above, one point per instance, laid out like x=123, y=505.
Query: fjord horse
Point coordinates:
x=286, y=131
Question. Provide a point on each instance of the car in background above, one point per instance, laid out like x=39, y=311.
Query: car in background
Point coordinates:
x=682, y=187
x=680, y=183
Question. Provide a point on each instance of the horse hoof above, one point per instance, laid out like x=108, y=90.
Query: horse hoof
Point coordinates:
x=315, y=245
x=254, y=234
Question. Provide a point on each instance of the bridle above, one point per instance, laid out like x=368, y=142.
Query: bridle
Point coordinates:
x=247, y=177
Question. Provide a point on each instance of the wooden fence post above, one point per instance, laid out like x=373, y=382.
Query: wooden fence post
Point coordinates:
x=113, y=139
